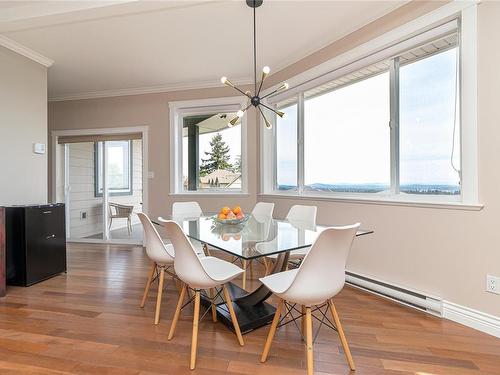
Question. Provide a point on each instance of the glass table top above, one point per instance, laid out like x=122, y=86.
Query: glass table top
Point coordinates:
x=257, y=237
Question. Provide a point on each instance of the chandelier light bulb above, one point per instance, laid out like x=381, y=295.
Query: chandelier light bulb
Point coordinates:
x=266, y=70
x=223, y=80
x=240, y=113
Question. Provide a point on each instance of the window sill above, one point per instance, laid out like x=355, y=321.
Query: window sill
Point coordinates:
x=407, y=201
x=205, y=194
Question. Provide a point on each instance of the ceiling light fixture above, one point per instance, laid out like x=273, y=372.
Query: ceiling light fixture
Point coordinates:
x=255, y=99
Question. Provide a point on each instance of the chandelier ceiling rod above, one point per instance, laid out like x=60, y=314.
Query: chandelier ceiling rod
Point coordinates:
x=255, y=100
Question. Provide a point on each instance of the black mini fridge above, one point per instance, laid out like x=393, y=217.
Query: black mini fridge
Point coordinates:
x=35, y=242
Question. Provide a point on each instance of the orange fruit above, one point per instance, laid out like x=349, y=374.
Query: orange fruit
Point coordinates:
x=225, y=210
x=222, y=216
x=236, y=210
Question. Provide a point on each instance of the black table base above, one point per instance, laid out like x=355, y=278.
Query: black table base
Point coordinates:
x=249, y=317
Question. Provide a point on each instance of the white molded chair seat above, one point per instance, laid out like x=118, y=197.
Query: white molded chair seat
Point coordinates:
x=320, y=277
x=220, y=271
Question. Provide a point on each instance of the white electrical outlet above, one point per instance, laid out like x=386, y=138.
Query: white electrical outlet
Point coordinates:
x=493, y=284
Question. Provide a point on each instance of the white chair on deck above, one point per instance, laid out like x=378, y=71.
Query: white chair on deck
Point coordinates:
x=197, y=274
x=301, y=215
x=320, y=277
x=162, y=256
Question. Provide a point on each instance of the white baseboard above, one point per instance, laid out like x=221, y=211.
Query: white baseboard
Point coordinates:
x=472, y=318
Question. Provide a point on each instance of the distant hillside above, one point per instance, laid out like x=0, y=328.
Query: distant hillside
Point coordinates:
x=377, y=188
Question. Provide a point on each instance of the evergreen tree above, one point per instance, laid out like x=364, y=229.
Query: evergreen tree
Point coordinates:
x=218, y=158
x=237, y=164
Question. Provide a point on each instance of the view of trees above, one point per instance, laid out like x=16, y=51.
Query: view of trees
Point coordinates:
x=219, y=157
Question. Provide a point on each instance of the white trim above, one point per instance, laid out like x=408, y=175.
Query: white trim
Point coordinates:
x=481, y=321
x=25, y=51
x=382, y=201
x=178, y=109
x=146, y=90
x=144, y=130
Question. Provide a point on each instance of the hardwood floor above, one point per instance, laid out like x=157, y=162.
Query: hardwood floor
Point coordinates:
x=89, y=322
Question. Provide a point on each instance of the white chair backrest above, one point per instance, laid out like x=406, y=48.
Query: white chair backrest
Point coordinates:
x=302, y=213
x=186, y=209
x=321, y=274
x=263, y=209
x=187, y=264
x=154, y=244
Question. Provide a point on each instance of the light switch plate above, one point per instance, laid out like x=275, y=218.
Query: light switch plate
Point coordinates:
x=151, y=174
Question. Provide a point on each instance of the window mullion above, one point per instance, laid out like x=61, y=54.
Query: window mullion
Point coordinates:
x=394, y=124
x=300, y=143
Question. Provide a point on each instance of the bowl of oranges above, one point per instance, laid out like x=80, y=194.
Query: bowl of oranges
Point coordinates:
x=232, y=216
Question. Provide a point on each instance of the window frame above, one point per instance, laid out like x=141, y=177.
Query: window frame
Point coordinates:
x=181, y=109
x=98, y=176
x=366, y=54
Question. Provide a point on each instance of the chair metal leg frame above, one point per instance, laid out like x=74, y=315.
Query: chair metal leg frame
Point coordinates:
x=306, y=330
x=197, y=319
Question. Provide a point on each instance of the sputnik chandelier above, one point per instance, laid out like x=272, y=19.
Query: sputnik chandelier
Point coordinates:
x=255, y=99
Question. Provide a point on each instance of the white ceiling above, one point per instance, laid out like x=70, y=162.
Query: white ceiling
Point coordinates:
x=100, y=47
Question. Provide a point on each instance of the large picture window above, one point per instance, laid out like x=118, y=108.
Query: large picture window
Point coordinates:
x=389, y=128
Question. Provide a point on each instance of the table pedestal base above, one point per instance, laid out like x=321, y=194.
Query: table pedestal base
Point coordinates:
x=249, y=317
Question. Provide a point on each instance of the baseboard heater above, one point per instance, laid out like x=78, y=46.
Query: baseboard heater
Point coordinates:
x=429, y=304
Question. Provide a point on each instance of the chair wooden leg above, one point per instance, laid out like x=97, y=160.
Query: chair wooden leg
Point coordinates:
x=206, y=250
x=251, y=269
x=148, y=284
x=309, y=343
x=213, y=307
x=229, y=304
x=160, y=293
x=177, y=312
x=343, y=339
x=194, y=339
x=244, y=274
x=272, y=331
x=269, y=266
x=303, y=321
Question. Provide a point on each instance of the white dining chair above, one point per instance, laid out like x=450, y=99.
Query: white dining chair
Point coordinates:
x=198, y=274
x=188, y=210
x=301, y=216
x=320, y=277
x=263, y=209
x=162, y=257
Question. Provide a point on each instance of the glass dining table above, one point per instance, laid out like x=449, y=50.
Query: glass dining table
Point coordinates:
x=259, y=236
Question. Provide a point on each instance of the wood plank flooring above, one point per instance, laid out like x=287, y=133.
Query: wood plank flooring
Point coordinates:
x=88, y=321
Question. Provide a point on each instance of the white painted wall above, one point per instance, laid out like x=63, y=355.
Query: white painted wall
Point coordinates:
x=23, y=121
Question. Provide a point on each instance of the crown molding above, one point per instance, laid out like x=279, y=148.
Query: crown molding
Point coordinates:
x=25, y=51
x=145, y=90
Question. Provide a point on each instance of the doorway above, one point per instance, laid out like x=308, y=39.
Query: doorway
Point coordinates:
x=102, y=180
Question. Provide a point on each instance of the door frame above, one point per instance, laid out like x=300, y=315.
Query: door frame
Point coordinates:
x=144, y=130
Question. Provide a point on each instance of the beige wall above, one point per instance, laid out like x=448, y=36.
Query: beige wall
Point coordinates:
x=152, y=110
x=443, y=252
x=23, y=121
